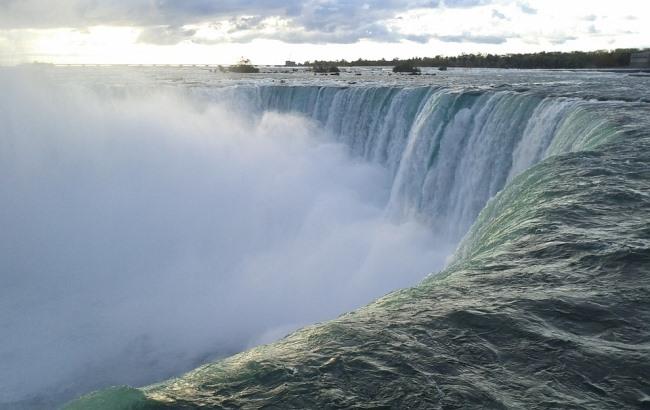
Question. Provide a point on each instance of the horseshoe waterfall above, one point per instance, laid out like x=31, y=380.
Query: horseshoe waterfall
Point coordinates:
x=477, y=241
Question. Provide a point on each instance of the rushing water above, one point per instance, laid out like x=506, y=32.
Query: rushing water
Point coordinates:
x=544, y=304
x=448, y=151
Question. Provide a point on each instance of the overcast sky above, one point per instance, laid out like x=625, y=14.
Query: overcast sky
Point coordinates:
x=272, y=31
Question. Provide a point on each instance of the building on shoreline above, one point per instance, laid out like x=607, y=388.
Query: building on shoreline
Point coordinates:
x=640, y=59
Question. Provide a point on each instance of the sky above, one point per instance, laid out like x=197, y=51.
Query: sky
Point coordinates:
x=272, y=31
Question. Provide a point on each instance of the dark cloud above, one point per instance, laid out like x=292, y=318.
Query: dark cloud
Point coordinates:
x=418, y=38
x=298, y=35
x=314, y=21
x=75, y=13
x=246, y=23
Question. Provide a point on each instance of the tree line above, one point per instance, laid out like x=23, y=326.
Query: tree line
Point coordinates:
x=618, y=58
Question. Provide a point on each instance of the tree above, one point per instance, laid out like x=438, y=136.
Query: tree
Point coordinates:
x=321, y=67
x=406, y=67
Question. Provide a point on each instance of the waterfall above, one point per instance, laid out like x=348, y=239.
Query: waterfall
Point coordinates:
x=122, y=199
x=549, y=276
x=448, y=150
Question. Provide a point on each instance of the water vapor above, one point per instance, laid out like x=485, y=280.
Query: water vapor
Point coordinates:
x=144, y=234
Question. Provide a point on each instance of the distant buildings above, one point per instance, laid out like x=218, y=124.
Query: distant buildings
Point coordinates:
x=290, y=63
x=640, y=59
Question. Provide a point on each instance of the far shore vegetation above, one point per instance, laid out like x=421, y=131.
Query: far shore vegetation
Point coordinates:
x=406, y=67
x=322, y=67
x=619, y=58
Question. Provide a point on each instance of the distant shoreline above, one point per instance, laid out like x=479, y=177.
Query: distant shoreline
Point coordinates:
x=602, y=60
x=622, y=70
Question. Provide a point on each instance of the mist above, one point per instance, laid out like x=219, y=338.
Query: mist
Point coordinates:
x=145, y=234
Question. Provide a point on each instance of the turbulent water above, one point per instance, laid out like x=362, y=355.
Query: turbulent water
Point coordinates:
x=544, y=304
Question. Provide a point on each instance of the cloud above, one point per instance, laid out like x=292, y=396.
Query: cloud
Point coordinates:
x=557, y=39
x=165, y=35
x=498, y=15
x=166, y=21
x=527, y=8
x=246, y=23
x=470, y=38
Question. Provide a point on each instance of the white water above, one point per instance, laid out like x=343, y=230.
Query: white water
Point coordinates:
x=144, y=235
x=145, y=232
x=448, y=151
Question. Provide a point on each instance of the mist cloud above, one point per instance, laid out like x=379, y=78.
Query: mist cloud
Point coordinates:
x=145, y=232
